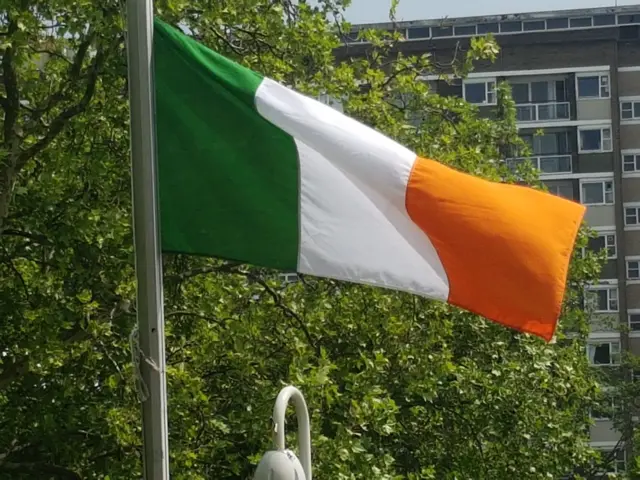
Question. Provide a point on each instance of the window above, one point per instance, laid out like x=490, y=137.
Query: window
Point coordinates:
x=534, y=25
x=626, y=19
x=419, y=32
x=288, y=277
x=480, y=93
x=488, y=28
x=539, y=92
x=595, y=140
x=580, y=22
x=562, y=190
x=602, y=299
x=634, y=321
x=630, y=162
x=630, y=110
x=556, y=23
x=593, y=86
x=600, y=20
x=620, y=462
x=633, y=269
x=465, y=30
x=604, y=352
x=352, y=36
x=541, y=100
x=507, y=27
x=520, y=92
x=598, y=192
x=632, y=216
x=604, y=241
x=555, y=164
x=615, y=461
x=442, y=31
x=555, y=143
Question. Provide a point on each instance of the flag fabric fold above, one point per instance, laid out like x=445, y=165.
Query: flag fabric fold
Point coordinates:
x=252, y=171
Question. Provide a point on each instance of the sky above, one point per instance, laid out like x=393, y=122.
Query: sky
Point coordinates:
x=371, y=11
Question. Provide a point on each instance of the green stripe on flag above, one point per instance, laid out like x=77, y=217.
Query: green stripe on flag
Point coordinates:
x=228, y=179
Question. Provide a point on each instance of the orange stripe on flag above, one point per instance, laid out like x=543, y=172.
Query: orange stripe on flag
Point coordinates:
x=505, y=248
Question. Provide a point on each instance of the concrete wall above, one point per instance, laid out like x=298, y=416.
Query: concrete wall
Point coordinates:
x=603, y=431
x=633, y=296
x=548, y=49
x=632, y=242
x=534, y=51
x=593, y=109
x=518, y=52
x=629, y=83
x=600, y=216
x=629, y=137
x=634, y=345
x=629, y=54
x=594, y=163
x=609, y=270
x=631, y=189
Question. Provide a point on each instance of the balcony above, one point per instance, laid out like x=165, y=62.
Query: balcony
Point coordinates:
x=547, y=164
x=543, y=112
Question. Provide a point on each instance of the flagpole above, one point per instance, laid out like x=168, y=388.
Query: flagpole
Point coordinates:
x=148, y=256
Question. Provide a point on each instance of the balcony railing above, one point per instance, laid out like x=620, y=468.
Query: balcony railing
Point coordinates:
x=547, y=164
x=542, y=112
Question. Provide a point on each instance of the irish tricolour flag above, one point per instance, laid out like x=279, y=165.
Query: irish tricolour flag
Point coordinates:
x=252, y=171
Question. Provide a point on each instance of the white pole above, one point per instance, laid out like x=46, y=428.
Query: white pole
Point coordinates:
x=146, y=239
x=304, y=428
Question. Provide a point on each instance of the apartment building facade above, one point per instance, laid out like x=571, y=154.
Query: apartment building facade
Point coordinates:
x=575, y=76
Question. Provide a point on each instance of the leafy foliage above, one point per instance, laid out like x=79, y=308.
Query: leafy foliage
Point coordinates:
x=398, y=387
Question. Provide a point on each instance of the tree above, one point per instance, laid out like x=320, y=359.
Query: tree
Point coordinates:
x=398, y=387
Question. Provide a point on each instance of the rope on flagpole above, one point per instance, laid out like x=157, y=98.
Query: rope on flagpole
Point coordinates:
x=136, y=354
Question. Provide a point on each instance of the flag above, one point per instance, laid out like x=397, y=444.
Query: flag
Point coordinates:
x=252, y=171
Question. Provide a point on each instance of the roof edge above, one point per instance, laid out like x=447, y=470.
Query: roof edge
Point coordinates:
x=453, y=21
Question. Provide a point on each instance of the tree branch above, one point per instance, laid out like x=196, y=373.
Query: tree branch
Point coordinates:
x=75, y=68
x=51, y=53
x=11, y=105
x=31, y=236
x=61, y=120
x=201, y=316
x=14, y=269
x=16, y=159
x=39, y=469
x=236, y=49
x=14, y=448
x=277, y=299
x=225, y=268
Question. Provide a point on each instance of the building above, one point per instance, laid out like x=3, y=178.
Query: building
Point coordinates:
x=576, y=75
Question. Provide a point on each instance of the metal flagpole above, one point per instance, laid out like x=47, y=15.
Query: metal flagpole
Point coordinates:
x=146, y=240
